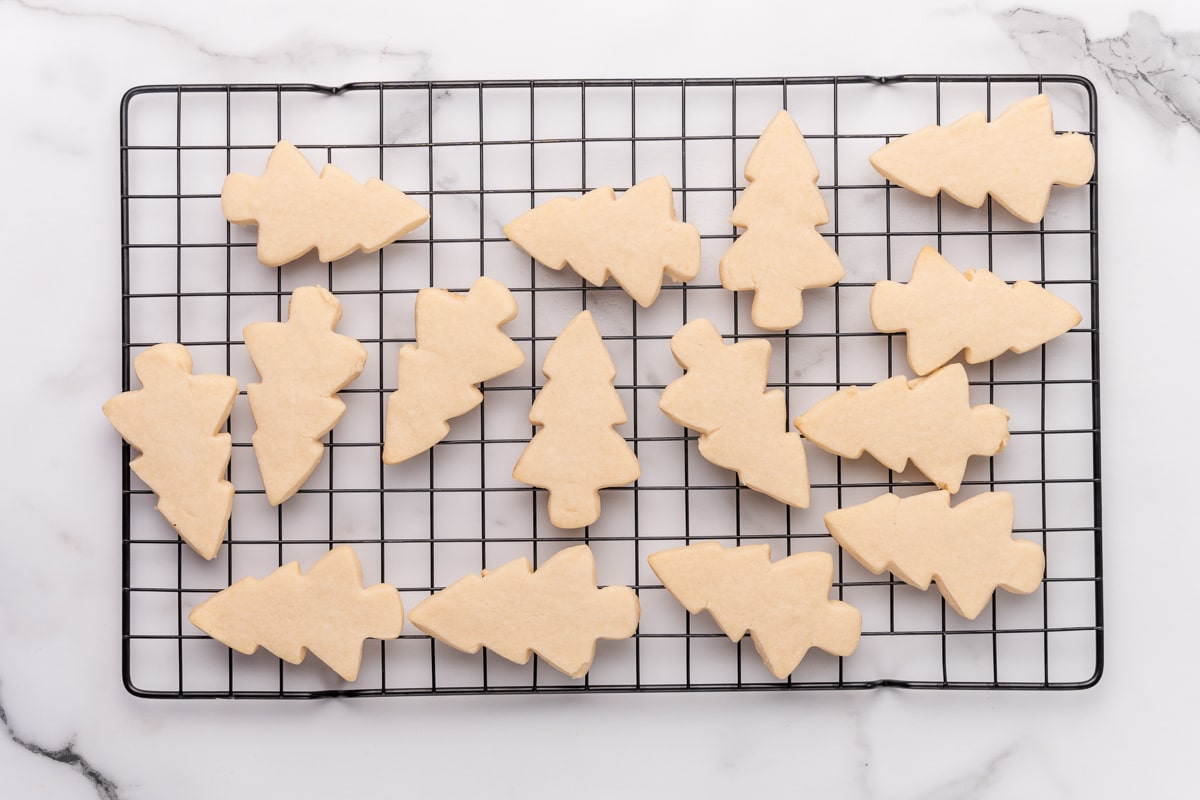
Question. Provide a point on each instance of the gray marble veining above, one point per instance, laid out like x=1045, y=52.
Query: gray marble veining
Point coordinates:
x=1157, y=70
x=288, y=53
x=105, y=787
x=976, y=781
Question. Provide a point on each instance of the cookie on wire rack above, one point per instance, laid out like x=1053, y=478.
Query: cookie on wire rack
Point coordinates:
x=296, y=209
x=1016, y=159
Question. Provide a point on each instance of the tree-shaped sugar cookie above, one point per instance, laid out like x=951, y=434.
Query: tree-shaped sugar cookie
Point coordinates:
x=303, y=365
x=459, y=344
x=326, y=610
x=780, y=254
x=929, y=421
x=784, y=606
x=556, y=612
x=297, y=210
x=944, y=311
x=1015, y=158
x=173, y=420
x=969, y=549
x=634, y=238
x=577, y=452
x=742, y=426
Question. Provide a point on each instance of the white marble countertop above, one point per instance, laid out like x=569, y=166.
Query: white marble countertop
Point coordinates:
x=69, y=729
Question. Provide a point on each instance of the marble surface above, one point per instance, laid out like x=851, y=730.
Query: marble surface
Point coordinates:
x=72, y=731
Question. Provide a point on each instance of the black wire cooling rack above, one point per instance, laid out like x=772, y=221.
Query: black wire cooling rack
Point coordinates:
x=479, y=153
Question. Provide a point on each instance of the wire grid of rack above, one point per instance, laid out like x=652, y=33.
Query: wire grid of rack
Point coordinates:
x=479, y=153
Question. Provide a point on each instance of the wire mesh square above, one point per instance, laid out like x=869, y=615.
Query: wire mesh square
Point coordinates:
x=479, y=153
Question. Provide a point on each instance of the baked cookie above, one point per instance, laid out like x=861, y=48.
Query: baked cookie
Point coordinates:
x=174, y=421
x=577, y=452
x=556, y=612
x=784, y=606
x=969, y=549
x=780, y=254
x=929, y=421
x=944, y=311
x=297, y=210
x=459, y=344
x=326, y=610
x=1016, y=159
x=742, y=426
x=303, y=365
x=635, y=238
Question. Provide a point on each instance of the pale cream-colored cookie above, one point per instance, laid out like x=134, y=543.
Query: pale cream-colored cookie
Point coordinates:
x=635, y=238
x=174, y=421
x=577, y=452
x=556, y=612
x=929, y=421
x=969, y=549
x=742, y=426
x=459, y=344
x=944, y=311
x=784, y=606
x=297, y=210
x=325, y=610
x=1016, y=158
x=780, y=254
x=303, y=365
